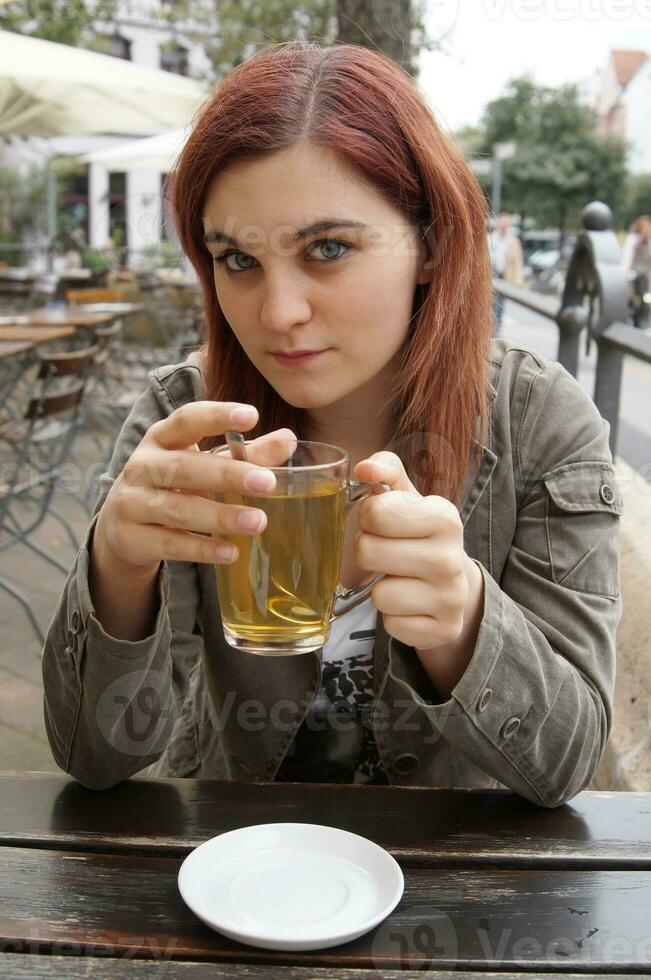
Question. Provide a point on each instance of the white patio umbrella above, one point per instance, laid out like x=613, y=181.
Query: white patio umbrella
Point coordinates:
x=49, y=89
x=151, y=153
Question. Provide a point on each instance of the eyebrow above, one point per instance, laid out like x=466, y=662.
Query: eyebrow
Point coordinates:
x=326, y=224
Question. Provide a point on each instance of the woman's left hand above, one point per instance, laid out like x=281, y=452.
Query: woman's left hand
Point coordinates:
x=431, y=583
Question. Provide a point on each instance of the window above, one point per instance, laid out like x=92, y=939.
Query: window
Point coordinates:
x=174, y=57
x=118, y=47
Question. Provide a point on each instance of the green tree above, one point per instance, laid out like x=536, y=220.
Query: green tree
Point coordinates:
x=637, y=198
x=561, y=161
x=396, y=27
x=63, y=21
x=22, y=205
x=233, y=30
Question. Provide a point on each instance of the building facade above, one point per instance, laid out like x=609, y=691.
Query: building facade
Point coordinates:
x=124, y=208
x=623, y=104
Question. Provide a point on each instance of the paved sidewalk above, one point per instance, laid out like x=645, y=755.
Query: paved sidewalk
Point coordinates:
x=23, y=743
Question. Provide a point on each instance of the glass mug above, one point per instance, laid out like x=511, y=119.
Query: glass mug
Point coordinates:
x=282, y=593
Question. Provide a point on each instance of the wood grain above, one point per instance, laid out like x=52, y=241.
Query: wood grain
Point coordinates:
x=21, y=966
x=420, y=827
x=488, y=919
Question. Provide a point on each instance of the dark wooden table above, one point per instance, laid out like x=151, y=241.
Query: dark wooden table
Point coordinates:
x=494, y=886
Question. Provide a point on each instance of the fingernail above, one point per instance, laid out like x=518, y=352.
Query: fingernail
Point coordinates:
x=241, y=414
x=252, y=520
x=225, y=552
x=260, y=480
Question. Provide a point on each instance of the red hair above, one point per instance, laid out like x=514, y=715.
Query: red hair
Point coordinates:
x=364, y=106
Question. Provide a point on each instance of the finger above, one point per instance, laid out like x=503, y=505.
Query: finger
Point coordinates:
x=410, y=558
x=189, y=512
x=258, y=452
x=398, y=596
x=401, y=514
x=203, y=473
x=191, y=423
x=171, y=544
x=422, y=632
x=273, y=448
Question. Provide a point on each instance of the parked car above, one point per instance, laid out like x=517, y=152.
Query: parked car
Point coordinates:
x=549, y=266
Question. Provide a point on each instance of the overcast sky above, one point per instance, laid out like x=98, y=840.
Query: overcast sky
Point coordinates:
x=486, y=42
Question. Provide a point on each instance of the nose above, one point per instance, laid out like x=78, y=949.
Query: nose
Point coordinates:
x=284, y=303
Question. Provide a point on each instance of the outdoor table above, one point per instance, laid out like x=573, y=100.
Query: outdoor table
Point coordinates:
x=492, y=881
x=117, y=309
x=55, y=316
x=35, y=334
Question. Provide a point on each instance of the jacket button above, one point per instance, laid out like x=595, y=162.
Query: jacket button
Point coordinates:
x=406, y=763
x=482, y=703
x=510, y=727
x=75, y=621
x=607, y=493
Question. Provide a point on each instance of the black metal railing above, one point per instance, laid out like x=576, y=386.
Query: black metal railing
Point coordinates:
x=595, y=300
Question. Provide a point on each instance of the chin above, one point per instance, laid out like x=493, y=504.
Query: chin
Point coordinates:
x=297, y=400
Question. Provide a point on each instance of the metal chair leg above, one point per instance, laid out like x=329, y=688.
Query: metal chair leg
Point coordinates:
x=45, y=554
x=72, y=537
x=24, y=601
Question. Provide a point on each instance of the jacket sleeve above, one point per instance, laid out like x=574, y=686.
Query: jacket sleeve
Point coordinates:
x=110, y=705
x=534, y=706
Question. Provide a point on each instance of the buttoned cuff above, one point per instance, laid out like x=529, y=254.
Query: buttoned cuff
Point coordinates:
x=406, y=668
x=83, y=628
x=494, y=698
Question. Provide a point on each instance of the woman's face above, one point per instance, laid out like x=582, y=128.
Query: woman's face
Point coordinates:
x=350, y=296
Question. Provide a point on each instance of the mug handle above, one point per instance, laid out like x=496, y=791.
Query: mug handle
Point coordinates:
x=346, y=599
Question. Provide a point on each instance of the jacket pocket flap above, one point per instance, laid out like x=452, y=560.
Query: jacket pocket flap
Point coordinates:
x=581, y=487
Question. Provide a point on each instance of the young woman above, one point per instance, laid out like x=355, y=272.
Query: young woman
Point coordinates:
x=325, y=211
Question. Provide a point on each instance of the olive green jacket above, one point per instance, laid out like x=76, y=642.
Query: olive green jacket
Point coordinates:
x=533, y=710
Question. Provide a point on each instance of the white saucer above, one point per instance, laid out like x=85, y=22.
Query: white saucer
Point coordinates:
x=290, y=885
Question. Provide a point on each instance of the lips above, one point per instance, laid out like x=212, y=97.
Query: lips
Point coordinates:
x=296, y=353
x=295, y=358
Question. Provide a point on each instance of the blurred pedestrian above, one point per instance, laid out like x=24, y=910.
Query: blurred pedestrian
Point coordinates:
x=506, y=260
x=636, y=263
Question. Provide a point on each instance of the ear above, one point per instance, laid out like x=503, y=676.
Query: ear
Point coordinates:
x=426, y=261
x=426, y=266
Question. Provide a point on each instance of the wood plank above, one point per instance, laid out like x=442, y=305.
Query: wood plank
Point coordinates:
x=36, y=335
x=21, y=966
x=420, y=827
x=129, y=905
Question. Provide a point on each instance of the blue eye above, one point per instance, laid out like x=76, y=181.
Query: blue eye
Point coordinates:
x=222, y=259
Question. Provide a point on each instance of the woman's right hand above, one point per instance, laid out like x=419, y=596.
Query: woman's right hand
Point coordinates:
x=160, y=505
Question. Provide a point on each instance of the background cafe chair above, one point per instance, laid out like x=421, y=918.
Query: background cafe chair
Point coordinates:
x=110, y=393
x=33, y=450
x=16, y=379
